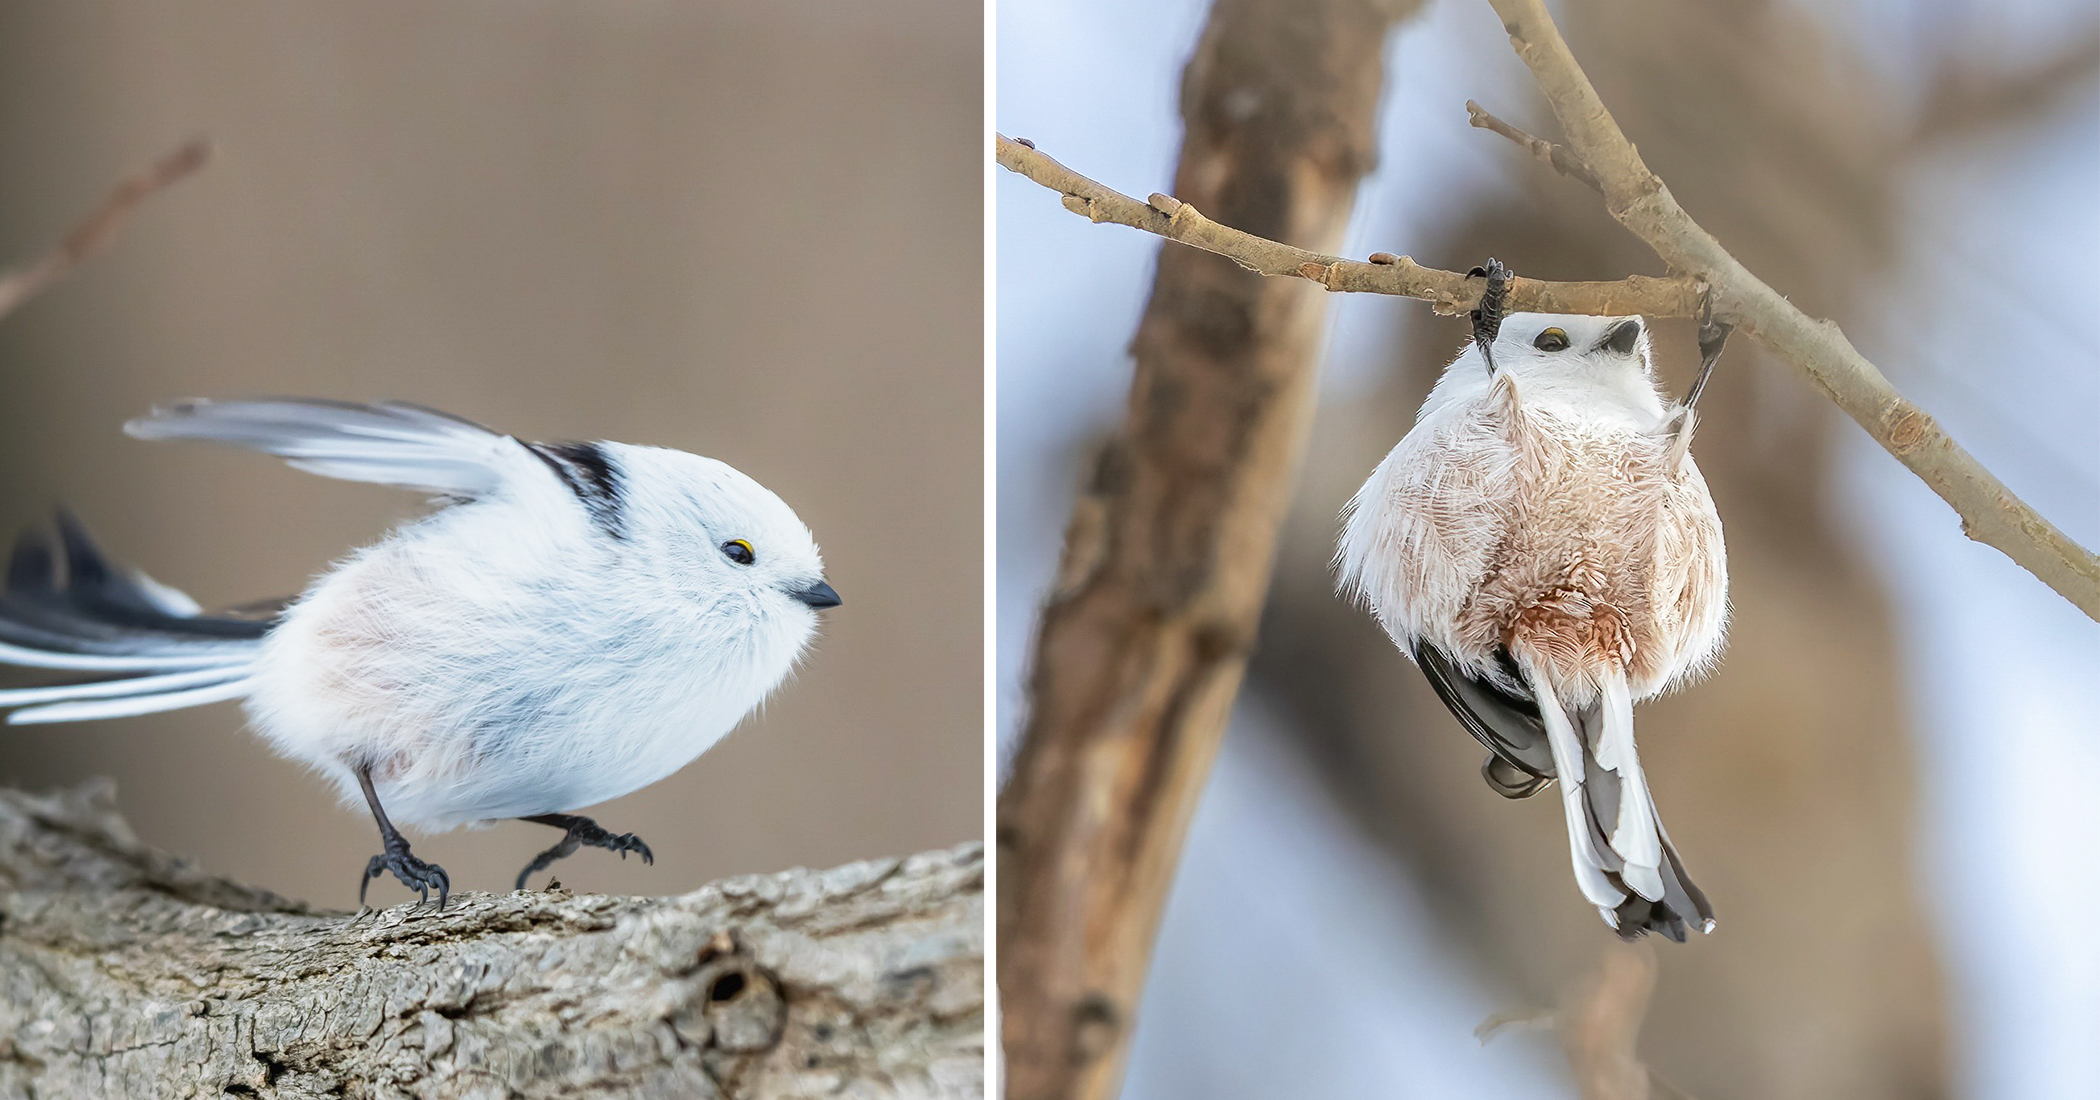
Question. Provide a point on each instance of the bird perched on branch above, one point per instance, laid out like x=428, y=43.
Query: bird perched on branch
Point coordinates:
x=574, y=622
x=1541, y=544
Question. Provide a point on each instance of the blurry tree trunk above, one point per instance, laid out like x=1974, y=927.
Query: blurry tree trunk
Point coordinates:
x=1787, y=778
x=1167, y=556
x=126, y=973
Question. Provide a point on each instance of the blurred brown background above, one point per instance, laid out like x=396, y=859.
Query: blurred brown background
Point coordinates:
x=749, y=231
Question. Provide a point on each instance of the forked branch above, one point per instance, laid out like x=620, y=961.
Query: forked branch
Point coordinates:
x=1989, y=512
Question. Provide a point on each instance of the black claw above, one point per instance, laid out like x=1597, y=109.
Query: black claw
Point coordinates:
x=1494, y=300
x=416, y=874
x=581, y=832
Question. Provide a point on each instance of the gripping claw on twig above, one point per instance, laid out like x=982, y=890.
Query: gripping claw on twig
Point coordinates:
x=1713, y=334
x=1487, y=316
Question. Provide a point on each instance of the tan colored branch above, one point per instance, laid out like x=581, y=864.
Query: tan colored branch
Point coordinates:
x=1448, y=292
x=99, y=228
x=129, y=973
x=1553, y=156
x=1989, y=512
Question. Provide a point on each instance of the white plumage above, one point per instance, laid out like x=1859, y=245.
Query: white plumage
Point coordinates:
x=1543, y=545
x=579, y=621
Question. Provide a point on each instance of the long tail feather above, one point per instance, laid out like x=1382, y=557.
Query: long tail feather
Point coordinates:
x=1623, y=859
x=110, y=689
x=1592, y=867
x=1632, y=829
x=132, y=705
x=66, y=607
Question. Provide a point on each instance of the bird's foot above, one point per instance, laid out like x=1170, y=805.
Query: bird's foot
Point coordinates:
x=579, y=832
x=1494, y=303
x=416, y=874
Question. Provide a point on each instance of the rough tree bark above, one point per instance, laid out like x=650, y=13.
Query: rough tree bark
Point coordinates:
x=125, y=972
x=1166, y=559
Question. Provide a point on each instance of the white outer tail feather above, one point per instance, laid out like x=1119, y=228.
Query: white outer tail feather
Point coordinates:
x=1567, y=763
x=201, y=655
x=1636, y=835
x=152, y=684
x=126, y=706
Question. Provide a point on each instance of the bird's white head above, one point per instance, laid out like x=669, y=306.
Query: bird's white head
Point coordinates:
x=720, y=537
x=1560, y=354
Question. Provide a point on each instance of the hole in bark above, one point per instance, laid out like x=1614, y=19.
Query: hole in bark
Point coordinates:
x=726, y=987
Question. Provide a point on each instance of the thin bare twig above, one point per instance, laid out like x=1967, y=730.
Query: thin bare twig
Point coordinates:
x=1599, y=1027
x=1556, y=156
x=1448, y=292
x=1990, y=513
x=95, y=232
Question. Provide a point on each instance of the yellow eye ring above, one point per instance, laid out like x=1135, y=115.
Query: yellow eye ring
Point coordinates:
x=740, y=551
x=1553, y=339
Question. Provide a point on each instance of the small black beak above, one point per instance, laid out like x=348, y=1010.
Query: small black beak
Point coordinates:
x=819, y=596
x=1623, y=336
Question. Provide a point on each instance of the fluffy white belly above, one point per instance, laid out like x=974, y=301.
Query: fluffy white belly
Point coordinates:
x=469, y=704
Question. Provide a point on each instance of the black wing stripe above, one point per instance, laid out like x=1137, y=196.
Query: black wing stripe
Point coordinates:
x=589, y=473
x=1509, y=726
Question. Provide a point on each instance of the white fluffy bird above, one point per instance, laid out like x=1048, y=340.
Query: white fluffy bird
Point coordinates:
x=577, y=621
x=1543, y=546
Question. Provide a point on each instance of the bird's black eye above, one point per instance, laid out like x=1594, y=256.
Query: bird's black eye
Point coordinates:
x=1552, y=339
x=739, y=551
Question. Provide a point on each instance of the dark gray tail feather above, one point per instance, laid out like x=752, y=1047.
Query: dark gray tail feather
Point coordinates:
x=93, y=607
x=64, y=606
x=1637, y=915
x=1520, y=763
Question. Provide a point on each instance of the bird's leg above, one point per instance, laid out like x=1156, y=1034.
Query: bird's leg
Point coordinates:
x=580, y=831
x=1487, y=316
x=413, y=873
x=1713, y=335
x=1680, y=421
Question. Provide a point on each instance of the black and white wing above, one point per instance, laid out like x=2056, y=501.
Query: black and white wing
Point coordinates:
x=391, y=443
x=1521, y=762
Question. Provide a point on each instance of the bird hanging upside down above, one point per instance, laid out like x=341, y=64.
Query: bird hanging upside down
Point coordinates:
x=1541, y=544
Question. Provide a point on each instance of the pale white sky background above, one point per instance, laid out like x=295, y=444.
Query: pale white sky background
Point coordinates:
x=2005, y=676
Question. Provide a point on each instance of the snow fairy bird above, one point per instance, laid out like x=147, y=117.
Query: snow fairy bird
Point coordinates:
x=574, y=622
x=1543, y=547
